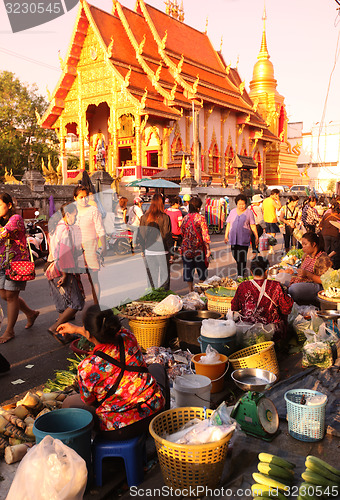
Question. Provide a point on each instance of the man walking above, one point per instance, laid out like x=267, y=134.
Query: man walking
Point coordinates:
x=269, y=207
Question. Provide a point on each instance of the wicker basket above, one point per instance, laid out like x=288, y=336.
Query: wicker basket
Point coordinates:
x=149, y=331
x=256, y=356
x=184, y=466
x=219, y=303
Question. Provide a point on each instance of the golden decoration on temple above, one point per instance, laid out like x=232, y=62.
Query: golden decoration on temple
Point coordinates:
x=110, y=47
x=163, y=42
x=50, y=175
x=227, y=69
x=141, y=45
x=206, y=25
x=241, y=87
x=195, y=84
x=38, y=117
x=9, y=178
x=221, y=44
x=127, y=78
x=60, y=60
x=174, y=10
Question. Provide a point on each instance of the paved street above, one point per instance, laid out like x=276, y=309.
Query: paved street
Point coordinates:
x=121, y=278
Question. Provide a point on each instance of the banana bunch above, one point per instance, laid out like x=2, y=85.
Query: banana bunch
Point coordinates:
x=273, y=479
x=320, y=479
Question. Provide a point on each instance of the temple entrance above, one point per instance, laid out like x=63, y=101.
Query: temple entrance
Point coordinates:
x=125, y=155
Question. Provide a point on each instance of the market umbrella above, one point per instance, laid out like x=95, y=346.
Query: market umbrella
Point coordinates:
x=137, y=182
x=158, y=183
x=51, y=206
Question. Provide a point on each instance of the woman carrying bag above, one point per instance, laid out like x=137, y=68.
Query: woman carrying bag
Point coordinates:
x=289, y=215
x=13, y=249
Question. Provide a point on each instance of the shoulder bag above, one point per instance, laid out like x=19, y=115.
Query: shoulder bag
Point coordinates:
x=20, y=270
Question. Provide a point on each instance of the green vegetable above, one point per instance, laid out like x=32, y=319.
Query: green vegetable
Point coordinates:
x=221, y=291
x=157, y=295
x=331, y=279
x=312, y=477
x=323, y=467
x=297, y=252
x=274, y=459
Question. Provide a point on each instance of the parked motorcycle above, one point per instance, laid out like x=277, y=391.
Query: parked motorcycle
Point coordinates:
x=120, y=242
x=36, y=239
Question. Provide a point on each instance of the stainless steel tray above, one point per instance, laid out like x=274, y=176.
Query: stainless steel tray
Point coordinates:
x=253, y=379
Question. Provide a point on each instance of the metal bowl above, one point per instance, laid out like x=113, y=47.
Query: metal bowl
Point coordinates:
x=253, y=379
x=329, y=314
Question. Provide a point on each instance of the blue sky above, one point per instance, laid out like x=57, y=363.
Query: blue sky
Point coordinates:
x=302, y=37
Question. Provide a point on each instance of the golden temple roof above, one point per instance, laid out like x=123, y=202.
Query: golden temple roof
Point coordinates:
x=170, y=63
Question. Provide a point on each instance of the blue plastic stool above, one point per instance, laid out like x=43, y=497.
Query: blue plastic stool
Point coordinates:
x=133, y=451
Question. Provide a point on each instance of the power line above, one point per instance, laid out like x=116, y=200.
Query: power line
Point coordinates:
x=28, y=59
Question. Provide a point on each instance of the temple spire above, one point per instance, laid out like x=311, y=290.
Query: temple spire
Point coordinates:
x=263, y=54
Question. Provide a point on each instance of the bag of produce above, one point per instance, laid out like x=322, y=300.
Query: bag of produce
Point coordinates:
x=317, y=354
x=257, y=334
x=49, y=470
x=192, y=302
x=172, y=304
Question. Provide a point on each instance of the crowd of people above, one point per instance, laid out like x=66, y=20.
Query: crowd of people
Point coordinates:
x=115, y=385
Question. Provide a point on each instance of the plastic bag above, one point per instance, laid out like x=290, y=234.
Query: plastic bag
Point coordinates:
x=264, y=242
x=172, y=304
x=211, y=357
x=317, y=354
x=258, y=333
x=192, y=301
x=49, y=471
x=218, y=328
x=201, y=432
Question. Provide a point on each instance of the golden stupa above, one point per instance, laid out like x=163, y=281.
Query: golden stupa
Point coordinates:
x=280, y=164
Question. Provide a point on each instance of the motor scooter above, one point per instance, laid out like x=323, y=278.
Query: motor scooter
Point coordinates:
x=36, y=239
x=120, y=242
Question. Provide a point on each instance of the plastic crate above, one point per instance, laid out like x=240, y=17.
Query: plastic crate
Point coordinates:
x=305, y=423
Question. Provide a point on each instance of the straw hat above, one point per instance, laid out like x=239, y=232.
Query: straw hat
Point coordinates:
x=257, y=198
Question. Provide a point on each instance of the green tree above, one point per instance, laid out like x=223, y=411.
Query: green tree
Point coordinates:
x=331, y=186
x=23, y=142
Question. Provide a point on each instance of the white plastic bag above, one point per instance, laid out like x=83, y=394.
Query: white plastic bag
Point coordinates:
x=218, y=328
x=192, y=302
x=212, y=357
x=49, y=471
x=172, y=304
x=258, y=333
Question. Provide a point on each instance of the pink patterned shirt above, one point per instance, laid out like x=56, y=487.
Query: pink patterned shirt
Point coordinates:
x=16, y=232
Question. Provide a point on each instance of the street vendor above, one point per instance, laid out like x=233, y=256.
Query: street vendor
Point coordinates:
x=115, y=384
x=263, y=301
x=305, y=286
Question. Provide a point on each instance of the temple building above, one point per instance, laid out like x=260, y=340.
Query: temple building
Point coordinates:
x=139, y=86
x=280, y=159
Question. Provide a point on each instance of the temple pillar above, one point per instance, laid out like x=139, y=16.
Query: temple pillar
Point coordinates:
x=113, y=142
x=166, y=146
x=138, y=140
x=81, y=125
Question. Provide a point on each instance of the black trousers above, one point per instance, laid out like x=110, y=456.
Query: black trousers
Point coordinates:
x=252, y=237
x=240, y=253
x=288, y=237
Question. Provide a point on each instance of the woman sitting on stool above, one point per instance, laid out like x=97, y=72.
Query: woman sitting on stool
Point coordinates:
x=263, y=301
x=305, y=286
x=114, y=382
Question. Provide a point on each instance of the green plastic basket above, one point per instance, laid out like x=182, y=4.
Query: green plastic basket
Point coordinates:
x=305, y=423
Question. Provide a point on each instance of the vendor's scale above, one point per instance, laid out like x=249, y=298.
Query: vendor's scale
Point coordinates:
x=255, y=413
